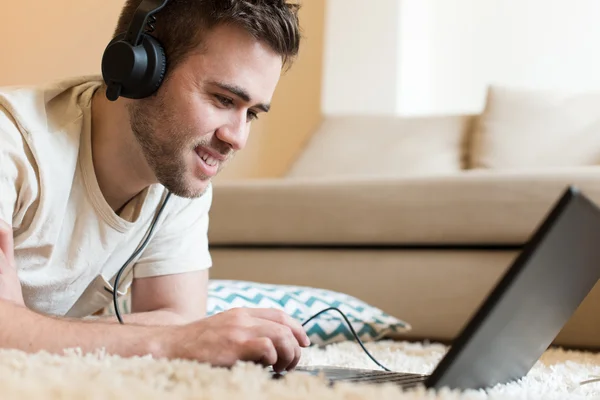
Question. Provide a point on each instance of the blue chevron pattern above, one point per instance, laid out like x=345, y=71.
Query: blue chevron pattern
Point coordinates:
x=370, y=323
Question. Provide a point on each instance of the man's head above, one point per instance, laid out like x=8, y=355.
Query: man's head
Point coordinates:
x=224, y=60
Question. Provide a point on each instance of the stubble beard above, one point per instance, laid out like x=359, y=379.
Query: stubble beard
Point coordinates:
x=165, y=155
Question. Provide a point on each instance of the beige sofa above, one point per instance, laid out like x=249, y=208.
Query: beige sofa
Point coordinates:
x=418, y=216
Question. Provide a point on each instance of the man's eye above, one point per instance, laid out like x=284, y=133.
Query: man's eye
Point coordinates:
x=252, y=115
x=224, y=100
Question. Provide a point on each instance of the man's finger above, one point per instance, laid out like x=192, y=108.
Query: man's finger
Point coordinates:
x=282, y=338
x=6, y=242
x=297, y=357
x=260, y=350
x=282, y=318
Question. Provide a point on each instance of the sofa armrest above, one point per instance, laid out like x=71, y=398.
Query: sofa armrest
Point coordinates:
x=477, y=207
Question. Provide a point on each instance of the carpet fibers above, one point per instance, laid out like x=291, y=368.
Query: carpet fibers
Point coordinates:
x=557, y=375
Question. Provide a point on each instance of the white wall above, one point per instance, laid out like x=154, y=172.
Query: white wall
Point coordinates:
x=416, y=69
x=360, y=60
x=448, y=51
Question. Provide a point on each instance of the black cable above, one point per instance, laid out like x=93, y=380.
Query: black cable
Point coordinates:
x=351, y=329
x=144, y=243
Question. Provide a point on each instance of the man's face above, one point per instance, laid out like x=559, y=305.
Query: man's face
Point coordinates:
x=201, y=115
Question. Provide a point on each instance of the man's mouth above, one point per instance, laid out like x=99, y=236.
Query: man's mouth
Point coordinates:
x=207, y=158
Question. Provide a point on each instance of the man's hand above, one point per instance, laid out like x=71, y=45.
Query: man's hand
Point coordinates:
x=264, y=336
x=10, y=287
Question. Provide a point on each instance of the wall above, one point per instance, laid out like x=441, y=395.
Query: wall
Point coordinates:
x=67, y=38
x=427, y=57
x=467, y=44
x=360, y=59
x=63, y=38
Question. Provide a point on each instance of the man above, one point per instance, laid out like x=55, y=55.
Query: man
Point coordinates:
x=82, y=177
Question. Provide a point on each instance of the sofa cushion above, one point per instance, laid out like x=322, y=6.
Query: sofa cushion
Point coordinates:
x=477, y=207
x=301, y=303
x=521, y=128
x=363, y=146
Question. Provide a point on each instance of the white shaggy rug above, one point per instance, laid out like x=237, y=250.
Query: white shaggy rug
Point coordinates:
x=74, y=376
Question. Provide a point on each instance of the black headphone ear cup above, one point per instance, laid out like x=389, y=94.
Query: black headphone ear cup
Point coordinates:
x=137, y=71
x=157, y=65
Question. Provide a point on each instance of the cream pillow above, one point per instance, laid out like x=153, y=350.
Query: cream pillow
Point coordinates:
x=383, y=146
x=524, y=128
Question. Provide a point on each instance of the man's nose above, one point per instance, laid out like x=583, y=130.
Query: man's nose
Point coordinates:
x=235, y=133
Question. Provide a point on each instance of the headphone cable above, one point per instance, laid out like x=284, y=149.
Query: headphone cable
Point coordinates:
x=145, y=243
x=140, y=248
x=353, y=333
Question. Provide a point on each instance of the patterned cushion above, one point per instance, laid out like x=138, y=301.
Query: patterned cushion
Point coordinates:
x=370, y=323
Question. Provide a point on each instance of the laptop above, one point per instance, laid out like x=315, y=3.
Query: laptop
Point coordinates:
x=523, y=313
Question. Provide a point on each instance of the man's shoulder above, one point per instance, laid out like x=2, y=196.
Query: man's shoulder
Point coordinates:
x=40, y=131
x=44, y=107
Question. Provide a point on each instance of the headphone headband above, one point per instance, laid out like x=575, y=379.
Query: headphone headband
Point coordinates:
x=146, y=9
x=134, y=63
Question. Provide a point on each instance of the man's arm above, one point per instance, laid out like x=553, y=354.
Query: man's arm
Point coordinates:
x=28, y=331
x=261, y=335
x=168, y=299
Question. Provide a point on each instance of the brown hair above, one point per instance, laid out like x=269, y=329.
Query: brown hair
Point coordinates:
x=180, y=24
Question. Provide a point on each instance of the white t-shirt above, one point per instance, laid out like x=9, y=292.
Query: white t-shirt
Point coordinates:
x=69, y=244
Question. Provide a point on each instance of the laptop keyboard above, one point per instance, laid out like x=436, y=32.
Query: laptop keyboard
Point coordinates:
x=365, y=376
x=402, y=379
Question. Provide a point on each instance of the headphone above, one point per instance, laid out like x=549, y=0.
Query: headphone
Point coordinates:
x=133, y=66
x=134, y=63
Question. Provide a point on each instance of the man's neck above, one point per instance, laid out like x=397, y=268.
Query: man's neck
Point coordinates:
x=120, y=167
